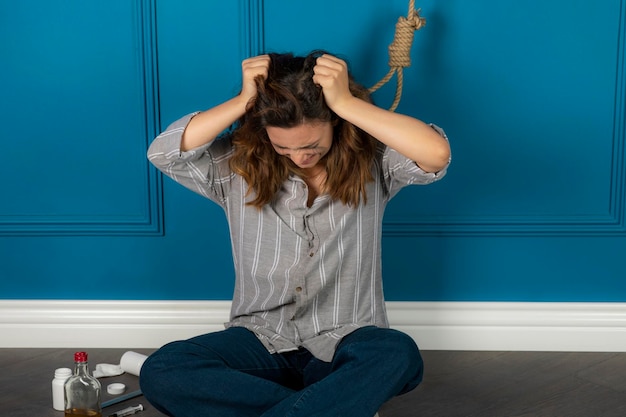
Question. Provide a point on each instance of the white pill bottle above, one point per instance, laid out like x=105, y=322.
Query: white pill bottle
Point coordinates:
x=58, y=395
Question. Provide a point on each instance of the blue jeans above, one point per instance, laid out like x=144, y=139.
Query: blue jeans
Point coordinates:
x=231, y=374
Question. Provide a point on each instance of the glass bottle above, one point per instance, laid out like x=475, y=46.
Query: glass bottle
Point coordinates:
x=82, y=391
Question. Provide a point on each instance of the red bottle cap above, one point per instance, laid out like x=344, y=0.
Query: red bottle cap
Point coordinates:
x=80, y=357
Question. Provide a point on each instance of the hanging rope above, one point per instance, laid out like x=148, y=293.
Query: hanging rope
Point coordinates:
x=400, y=50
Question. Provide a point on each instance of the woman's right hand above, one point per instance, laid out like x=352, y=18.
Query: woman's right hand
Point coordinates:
x=207, y=125
x=252, y=68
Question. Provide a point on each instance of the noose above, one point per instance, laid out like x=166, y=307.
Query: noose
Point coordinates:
x=400, y=50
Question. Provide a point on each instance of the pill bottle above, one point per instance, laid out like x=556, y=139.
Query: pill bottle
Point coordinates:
x=132, y=362
x=58, y=397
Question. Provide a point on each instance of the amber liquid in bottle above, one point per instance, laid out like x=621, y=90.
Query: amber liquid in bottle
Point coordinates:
x=82, y=391
x=82, y=413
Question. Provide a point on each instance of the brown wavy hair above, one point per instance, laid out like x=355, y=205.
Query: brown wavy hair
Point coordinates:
x=287, y=98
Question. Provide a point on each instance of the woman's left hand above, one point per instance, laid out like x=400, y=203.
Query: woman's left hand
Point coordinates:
x=331, y=73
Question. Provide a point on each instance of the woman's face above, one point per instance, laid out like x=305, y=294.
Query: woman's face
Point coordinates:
x=305, y=144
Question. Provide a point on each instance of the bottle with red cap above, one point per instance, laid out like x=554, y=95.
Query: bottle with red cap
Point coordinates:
x=82, y=391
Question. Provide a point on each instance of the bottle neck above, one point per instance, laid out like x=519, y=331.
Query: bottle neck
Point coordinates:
x=81, y=368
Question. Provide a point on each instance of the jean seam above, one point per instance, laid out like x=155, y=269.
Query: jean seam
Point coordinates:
x=296, y=405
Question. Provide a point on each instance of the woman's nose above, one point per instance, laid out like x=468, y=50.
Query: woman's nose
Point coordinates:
x=300, y=154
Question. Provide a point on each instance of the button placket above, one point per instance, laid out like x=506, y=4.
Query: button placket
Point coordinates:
x=312, y=241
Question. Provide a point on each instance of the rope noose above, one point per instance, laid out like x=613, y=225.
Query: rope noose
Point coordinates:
x=400, y=50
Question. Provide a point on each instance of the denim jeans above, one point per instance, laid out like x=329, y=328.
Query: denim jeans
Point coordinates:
x=231, y=374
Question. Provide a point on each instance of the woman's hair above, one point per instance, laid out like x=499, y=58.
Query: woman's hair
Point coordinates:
x=287, y=98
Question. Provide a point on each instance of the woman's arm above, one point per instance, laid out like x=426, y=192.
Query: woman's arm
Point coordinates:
x=411, y=137
x=206, y=126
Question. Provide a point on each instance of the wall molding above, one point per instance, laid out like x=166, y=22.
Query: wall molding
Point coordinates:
x=253, y=27
x=148, y=221
x=609, y=224
x=590, y=327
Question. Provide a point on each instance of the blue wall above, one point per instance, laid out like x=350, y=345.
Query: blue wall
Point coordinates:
x=532, y=96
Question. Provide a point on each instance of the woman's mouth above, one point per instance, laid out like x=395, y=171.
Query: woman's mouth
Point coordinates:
x=311, y=160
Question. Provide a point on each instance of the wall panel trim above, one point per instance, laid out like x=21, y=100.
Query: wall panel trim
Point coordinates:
x=253, y=27
x=150, y=220
x=592, y=327
x=612, y=223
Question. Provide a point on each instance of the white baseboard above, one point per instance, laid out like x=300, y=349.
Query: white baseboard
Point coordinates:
x=591, y=327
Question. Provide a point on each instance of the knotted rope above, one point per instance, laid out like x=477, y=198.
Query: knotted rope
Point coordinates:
x=400, y=50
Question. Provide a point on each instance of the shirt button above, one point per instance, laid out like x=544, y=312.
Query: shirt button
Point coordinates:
x=311, y=254
x=298, y=289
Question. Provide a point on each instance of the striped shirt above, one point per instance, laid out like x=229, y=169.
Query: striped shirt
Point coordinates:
x=305, y=276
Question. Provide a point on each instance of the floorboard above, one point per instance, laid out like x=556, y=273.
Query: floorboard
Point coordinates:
x=463, y=384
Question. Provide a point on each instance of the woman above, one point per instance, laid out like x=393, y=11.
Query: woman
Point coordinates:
x=304, y=175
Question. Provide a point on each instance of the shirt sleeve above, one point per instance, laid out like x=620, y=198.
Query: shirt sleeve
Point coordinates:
x=204, y=170
x=400, y=171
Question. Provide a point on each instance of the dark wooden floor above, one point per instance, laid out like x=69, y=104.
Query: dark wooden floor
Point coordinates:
x=467, y=384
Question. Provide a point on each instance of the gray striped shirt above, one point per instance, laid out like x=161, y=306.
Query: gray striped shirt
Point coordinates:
x=305, y=276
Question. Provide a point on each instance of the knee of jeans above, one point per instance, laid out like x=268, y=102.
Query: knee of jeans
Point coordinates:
x=404, y=351
x=394, y=347
x=156, y=369
x=149, y=377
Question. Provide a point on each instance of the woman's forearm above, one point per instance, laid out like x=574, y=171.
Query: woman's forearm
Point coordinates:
x=207, y=125
x=409, y=136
